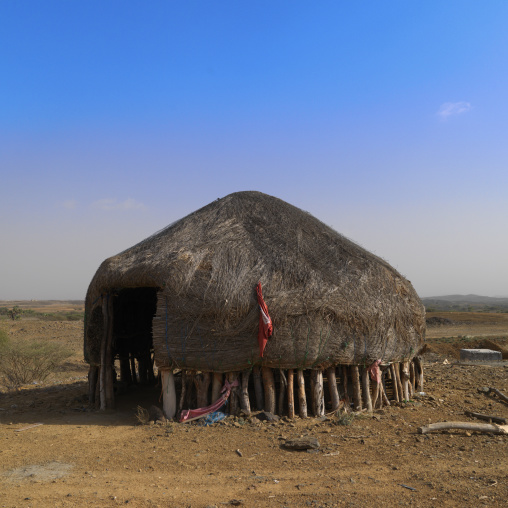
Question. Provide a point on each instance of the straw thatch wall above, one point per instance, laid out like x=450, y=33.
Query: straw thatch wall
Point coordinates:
x=331, y=301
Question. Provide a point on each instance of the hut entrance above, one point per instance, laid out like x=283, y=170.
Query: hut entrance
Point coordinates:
x=133, y=310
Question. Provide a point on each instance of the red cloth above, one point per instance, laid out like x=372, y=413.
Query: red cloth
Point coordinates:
x=265, y=322
x=192, y=414
x=375, y=371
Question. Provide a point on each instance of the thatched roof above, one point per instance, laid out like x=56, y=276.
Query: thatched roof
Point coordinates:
x=330, y=300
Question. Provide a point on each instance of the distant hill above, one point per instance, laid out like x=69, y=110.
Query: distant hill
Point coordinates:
x=473, y=303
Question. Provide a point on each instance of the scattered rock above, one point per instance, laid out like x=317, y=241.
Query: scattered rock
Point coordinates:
x=303, y=443
x=266, y=416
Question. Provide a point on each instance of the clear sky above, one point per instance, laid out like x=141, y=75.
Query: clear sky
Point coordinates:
x=387, y=120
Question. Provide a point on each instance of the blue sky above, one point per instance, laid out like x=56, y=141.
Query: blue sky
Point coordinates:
x=386, y=120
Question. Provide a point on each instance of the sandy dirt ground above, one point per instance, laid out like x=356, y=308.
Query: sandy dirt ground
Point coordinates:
x=55, y=451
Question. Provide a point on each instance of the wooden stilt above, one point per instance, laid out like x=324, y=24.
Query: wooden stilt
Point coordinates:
x=93, y=375
x=244, y=395
x=216, y=386
x=419, y=373
x=134, y=376
x=332, y=388
x=399, y=383
x=395, y=384
x=106, y=370
x=291, y=394
x=317, y=393
x=269, y=385
x=375, y=393
x=412, y=377
x=382, y=388
x=347, y=402
x=234, y=405
x=183, y=392
x=168, y=394
x=366, y=389
x=151, y=374
x=405, y=380
x=357, y=392
x=258, y=388
x=282, y=392
x=302, y=398
x=202, y=383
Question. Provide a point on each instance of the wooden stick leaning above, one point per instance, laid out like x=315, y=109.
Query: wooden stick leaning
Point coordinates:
x=489, y=418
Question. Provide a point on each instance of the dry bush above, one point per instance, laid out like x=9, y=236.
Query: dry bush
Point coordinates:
x=142, y=415
x=23, y=362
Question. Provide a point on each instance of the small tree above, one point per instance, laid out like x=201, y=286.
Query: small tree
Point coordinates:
x=15, y=312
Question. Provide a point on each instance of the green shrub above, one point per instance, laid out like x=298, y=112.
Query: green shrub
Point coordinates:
x=23, y=362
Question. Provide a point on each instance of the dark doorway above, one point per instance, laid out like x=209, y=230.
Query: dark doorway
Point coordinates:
x=134, y=309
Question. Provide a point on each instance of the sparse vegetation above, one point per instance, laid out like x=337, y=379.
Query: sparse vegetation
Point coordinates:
x=23, y=362
x=19, y=313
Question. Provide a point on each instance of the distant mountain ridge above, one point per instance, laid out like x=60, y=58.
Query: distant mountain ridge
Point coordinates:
x=466, y=303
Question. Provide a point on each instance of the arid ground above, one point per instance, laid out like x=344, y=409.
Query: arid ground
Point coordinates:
x=55, y=451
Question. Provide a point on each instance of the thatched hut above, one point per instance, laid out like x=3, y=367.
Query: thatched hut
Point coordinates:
x=338, y=313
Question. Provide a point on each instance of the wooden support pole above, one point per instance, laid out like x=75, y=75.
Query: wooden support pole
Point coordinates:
x=332, y=388
x=282, y=392
x=151, y=373
x=168, y=394
x=234, y=403
x=357, y=392
x=93, y=375
x=106, y=371
x=291, y=394
x=258, y=388
x=347, y=402
x=412, y=376
x=269, y=385
x=405, y=380
x=134, y=376
x=399, y=382
x=302, y=398
x=382, y=387
x=375, y=393
x=366, y=389
x=395, y=385
x=419, y=373
x=183, y=392
x=317, y=393
x=244, y=395
x=202, y=383
x=216, y=386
